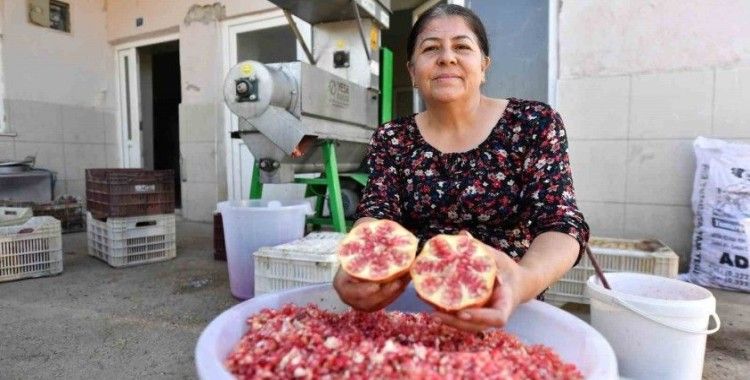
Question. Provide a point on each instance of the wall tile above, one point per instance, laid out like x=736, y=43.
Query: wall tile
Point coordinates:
x=199, y=122
x=660, y=172
x=7, y=149
x=35, y=121
x=598, y=169
x=673, y=225
x=48, y=155
x=595, y=108
x=671, y=105
x=199, y=162
x=79, y=157
x=112, y=154
x=111, y=130
x=198, y=201
x=604, y=218
x=82, y=124
x=731, y=111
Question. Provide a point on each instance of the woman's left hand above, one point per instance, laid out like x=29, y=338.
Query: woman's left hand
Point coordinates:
x=506, y=296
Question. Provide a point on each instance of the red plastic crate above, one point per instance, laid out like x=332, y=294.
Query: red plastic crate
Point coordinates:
x=129, y=192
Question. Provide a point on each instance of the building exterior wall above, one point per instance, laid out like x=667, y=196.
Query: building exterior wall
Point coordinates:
x=201, y=113
x=638, y=81
x=59, y=93
x=166, y=16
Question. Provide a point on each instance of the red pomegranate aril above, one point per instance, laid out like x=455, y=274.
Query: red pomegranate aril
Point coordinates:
x=296, y=342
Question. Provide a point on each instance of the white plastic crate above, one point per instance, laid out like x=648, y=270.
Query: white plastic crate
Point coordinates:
x=134, y=240
x=306, y=261
x=614, y=255
x=32, y=249
x=13, y=216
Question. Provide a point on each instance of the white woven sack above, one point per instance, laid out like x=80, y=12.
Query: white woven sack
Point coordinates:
x=721, y=206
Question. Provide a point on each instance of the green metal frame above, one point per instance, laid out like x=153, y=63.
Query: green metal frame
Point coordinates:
x=329, y=183
x=256, y=187
x=386, y=85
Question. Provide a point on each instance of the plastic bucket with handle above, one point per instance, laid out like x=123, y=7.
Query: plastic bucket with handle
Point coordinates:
x=656, y=325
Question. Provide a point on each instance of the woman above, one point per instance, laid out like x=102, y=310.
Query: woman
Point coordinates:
x=497, y=168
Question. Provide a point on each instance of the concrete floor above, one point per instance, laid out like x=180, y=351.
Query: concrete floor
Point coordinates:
x=96, y=322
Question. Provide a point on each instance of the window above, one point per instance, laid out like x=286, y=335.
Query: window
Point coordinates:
x=52, y=14
x=59, y=16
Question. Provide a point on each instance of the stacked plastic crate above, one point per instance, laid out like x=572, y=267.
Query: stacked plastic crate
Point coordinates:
x=130, y=219
x=29, y=246
x=614, y=255
x=306, y=261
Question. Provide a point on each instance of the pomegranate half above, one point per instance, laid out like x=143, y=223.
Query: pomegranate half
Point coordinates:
x=378, y=251
x=454, y=272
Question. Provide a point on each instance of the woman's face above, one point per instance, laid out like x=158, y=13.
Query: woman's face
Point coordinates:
x=447, y=63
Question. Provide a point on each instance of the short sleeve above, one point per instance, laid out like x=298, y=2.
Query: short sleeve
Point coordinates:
x=382, y=196
x=548, y=193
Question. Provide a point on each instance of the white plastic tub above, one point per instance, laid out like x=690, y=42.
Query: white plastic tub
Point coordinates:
x=657, y=326
x=534, y=323
x=252, y=224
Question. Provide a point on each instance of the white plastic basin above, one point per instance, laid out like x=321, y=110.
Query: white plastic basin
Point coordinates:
x=534, y=323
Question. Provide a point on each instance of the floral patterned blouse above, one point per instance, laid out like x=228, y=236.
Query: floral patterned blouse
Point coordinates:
x=512, y=187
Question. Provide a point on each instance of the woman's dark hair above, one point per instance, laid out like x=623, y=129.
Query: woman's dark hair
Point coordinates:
x=447, y=10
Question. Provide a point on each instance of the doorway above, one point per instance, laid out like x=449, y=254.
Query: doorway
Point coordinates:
x=160, y=99
x=149, y=93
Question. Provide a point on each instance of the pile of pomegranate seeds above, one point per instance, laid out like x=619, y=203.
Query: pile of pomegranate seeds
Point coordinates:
x=310, y=343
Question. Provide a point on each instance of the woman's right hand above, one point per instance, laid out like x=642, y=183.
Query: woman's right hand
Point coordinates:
x=368, y=296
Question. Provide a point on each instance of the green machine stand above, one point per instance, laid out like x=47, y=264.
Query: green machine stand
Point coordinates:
x=329, y=182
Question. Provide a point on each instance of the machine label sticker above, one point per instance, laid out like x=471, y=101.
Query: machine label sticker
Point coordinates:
x=338, y=93
x=145, y=188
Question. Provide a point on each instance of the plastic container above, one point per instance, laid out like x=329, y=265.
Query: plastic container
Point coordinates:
x=32, y=249
x=251, y=224
x=13, y=216
x=129, y=192
x=614, y=255
x=306, y=261
x=657, y=326
x=534, y=323
x=122, y=242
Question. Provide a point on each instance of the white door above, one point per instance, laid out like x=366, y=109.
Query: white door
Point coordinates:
x=129, y=110
x=265, y=38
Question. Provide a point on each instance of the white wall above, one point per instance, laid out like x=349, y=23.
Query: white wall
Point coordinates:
x=201, y=111
x=639, y=80
x=162, y=15
x=59, y=92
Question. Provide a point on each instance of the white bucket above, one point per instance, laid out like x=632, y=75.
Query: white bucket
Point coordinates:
x=656, y=325
x=252, y=224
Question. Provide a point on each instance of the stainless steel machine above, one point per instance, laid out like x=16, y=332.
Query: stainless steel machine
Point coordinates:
x=315, y=117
